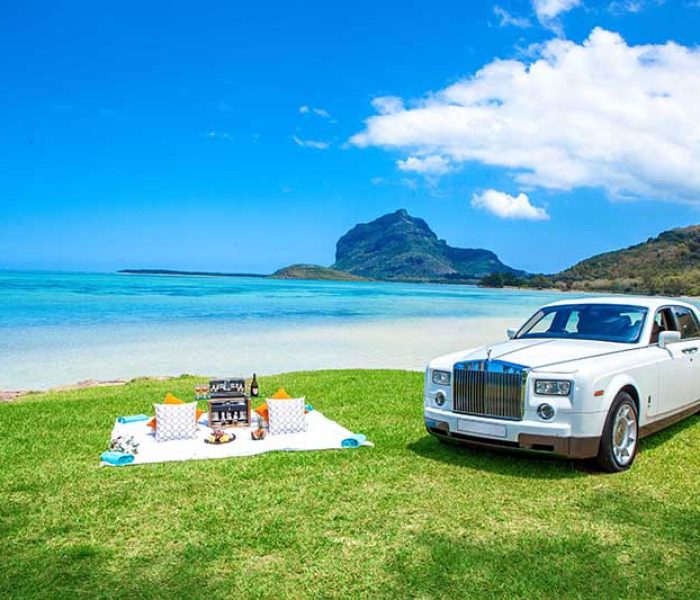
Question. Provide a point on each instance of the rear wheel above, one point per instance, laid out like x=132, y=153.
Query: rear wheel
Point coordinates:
x=618, y=444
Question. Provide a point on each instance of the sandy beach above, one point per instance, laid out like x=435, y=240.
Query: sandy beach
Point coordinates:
x=209, y=350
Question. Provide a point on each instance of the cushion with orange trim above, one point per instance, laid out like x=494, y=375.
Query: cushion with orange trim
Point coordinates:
x=170, y=399
x=264, y=411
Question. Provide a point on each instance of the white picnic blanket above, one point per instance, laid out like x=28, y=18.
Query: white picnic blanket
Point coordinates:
x=321, y=434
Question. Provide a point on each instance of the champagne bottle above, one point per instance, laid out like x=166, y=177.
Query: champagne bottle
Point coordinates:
x=254, y=388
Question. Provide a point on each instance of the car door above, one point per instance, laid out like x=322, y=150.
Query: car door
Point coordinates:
x=676, y=373
x=688, y=325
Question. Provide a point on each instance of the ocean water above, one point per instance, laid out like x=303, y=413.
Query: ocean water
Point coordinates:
x=60, y=328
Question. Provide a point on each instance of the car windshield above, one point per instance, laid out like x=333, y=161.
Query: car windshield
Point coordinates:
x=605, y=322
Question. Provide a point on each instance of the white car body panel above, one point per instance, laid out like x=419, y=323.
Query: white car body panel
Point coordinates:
x=665, y=382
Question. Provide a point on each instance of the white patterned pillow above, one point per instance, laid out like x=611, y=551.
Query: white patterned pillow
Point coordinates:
x=176, y=421
x=286, y=416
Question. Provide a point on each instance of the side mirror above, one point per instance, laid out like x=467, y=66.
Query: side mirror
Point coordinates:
x=510, y=332
x=668, y=337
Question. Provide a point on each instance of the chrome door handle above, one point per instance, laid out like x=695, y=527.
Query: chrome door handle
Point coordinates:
x=692, y=350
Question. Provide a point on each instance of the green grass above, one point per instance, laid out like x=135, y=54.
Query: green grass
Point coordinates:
x=408, y=518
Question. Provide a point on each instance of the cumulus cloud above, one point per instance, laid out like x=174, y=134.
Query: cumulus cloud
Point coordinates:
x=319, y=112
x=318, y=145
x=598, y=114
x=427, y=165
x=505, y=19
x=506, y=206
x=388, y=105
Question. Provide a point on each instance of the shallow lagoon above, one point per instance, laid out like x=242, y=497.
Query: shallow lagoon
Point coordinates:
x=59, y=328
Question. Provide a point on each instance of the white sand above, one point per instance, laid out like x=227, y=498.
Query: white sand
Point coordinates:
x=67, y=357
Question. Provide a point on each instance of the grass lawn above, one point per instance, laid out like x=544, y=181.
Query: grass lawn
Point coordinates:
x=408, y=518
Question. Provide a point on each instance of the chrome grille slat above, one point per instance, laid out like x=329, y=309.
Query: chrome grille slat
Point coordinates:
x=489, y=389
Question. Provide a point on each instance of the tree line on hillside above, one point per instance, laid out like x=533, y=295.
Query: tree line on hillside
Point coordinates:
x=668, y=265
x=666, y=284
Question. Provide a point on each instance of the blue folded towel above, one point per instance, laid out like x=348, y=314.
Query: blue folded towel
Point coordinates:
x=118, y=459
x=354, y=441
x=132, y=419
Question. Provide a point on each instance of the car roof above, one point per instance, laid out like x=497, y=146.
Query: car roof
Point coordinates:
x=649, y=302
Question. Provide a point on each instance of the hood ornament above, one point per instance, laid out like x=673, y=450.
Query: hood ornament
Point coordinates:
x=488, y=354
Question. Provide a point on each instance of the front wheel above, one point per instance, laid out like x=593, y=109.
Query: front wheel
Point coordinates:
x=618, y=444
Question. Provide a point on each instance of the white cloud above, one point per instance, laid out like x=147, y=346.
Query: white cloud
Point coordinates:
x=598, y=114
x=318, y=145
x=319, y=112
x=548, y=11
x=387, y=105
x=505, y=19
x=428, y=165
x=506, y=206
x=621, y=7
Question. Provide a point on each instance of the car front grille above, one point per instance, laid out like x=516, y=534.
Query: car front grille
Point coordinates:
x=489, y=388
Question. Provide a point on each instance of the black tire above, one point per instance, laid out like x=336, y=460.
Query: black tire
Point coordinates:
x=606, y=459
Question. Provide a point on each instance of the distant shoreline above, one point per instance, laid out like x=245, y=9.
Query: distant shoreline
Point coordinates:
x=174, y=272
x=178, y=273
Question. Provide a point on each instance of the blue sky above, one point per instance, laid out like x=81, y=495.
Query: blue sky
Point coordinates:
x=247, y=136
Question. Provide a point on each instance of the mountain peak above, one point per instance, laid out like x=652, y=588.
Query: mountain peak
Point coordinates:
x=400, y=246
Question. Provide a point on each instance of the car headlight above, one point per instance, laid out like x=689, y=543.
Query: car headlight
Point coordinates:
x=552, y=387
x=442, y=377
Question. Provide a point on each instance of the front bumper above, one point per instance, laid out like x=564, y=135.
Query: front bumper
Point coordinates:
x=533, y=436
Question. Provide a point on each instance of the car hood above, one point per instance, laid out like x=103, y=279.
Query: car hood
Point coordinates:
x=553, y=354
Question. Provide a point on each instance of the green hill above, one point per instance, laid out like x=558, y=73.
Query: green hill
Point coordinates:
x=668, y=264
x=398, y=246
x=314, y=272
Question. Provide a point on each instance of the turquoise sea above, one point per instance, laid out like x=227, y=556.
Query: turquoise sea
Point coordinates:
x=59, y=328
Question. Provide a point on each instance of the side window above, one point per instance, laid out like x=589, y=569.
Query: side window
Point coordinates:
x=663, y=321
x=687, y=322
x=544, y=325
x=571, y=325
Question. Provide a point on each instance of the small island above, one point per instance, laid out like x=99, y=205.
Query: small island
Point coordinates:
x=304, y=271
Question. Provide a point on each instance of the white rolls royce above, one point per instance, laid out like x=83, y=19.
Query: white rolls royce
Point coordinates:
x=582, y=379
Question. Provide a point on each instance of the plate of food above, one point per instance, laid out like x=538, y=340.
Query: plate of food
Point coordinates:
x=218, y=437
